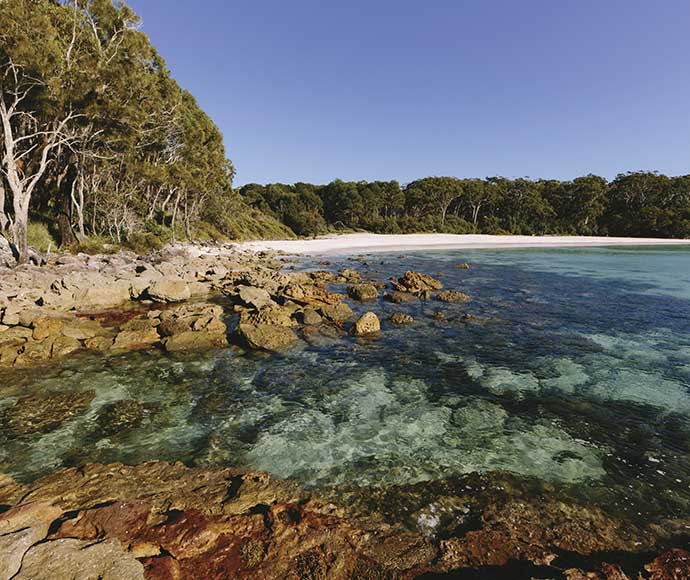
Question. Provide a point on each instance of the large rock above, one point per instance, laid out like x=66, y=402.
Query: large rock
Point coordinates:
x=363, y=292
x=401, y=318
x=136, y=339
x=337, y=313
x=106, y=294
x=368, y=323
x=169, y=289
x=191, y=340
x=255, y=297
x=270, y=337
x=416, y=283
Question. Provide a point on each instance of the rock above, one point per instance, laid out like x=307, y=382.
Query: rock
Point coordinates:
x=276, y=316
x=64, y=345
x=7, y=257
x=136, y=339
x=107, y=294
x=80, y=560
x=416, y=283
x=368, y=323
x=273, y=338
x=463, y=266
x=81, y=329
x=99, y=343
x=337, y=313
x=671, y=565
x=311, y=317
x=43, y=413
x=350, y=275
x=21, y=528
x=363, y=292
x=192, y=340
x=256, y=297
x=311, y=295
x=15, y=336
x=400, y=297
x=120, y=416
x=453, y=296
x=401, y=318
x=46, y=326
x=169, y=289
x=438, y=315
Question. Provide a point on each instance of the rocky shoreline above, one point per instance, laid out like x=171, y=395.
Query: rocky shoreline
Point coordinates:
x=167, y=521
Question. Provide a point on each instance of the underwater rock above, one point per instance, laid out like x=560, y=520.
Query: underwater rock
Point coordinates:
x=43, y=413
x=671, y=565
x=400, y=297
x=363, y=292
x=119, y=416
x=368, y=323
x=401, y=318
x=453, y=296
x=462, y=266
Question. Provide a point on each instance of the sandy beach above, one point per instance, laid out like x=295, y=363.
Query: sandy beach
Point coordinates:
x=348, y=243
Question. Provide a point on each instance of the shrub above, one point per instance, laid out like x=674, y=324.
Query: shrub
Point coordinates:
x=40, y=238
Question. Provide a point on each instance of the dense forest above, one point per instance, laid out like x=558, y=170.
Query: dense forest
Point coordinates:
x=633, y=204
x=100, y=144
x=98, y=141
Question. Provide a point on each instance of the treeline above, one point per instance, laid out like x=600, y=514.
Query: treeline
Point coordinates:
x=98, y=140
x=633, y=204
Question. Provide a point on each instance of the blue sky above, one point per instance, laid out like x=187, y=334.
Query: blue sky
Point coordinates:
x=313, y=90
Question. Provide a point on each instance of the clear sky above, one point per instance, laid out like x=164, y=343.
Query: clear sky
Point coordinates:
x=313, y=90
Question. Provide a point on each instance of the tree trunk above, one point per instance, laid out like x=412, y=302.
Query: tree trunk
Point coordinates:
x=4, y=220
x=64, y=217
x=21, y=230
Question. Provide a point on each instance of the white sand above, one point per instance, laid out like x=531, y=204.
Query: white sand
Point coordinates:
x=367, y=243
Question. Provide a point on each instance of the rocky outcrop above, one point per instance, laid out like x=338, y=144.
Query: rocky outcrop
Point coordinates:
x=160, y=521
x=169, y=289
x=368, y=323
x=416, y=283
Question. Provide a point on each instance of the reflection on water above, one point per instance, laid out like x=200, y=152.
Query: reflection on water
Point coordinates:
x=577, y=371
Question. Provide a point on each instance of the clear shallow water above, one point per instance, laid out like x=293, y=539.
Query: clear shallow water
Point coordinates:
x=578, y=372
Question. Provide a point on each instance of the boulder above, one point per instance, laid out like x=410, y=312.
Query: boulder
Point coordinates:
x=193, y=340
x=453, y=296
x=169, y=289
x=416, y=283
x=463, y=266
x=46, y=326
x=368, y=323
x=277, y=315
x=363, y=292
x=273, y=338
x=99, y=343
x=350, y=275
x=337, y=313
x=107, y=294
x=401, y=318
x=310, y=295
x=311, y=317
x=136, y=339
x=255, y=297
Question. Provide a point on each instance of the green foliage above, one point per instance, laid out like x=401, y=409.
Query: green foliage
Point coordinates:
x=634, y=204
x=144, y=242
x=40, y=237
x=97, y=245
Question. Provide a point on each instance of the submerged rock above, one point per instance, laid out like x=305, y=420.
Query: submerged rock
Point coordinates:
x=43, y=413
x=401, y=318
x=368, y=323
x=453, y=296
x=120, y=416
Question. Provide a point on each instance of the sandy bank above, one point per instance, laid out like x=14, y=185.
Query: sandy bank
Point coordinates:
x=348, y=243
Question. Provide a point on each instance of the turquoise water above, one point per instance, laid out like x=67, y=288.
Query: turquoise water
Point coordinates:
x=576, y=372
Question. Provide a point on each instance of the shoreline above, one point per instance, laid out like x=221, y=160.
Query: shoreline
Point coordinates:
x=340, y=244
